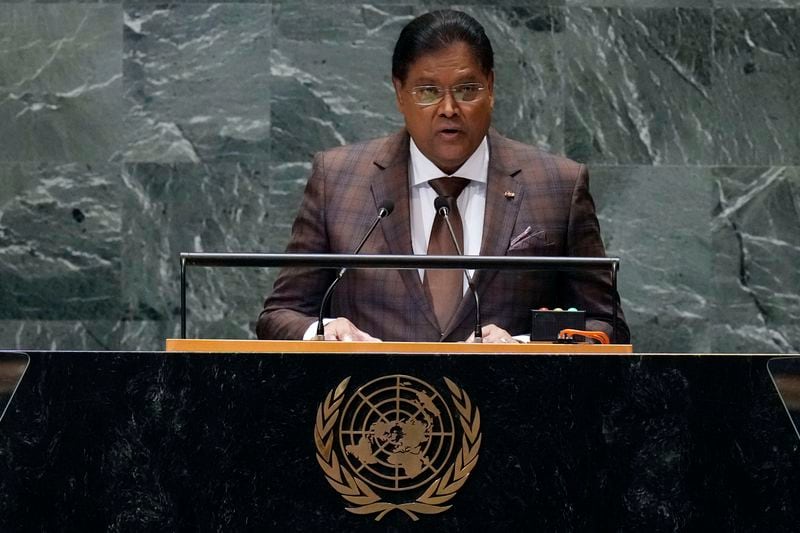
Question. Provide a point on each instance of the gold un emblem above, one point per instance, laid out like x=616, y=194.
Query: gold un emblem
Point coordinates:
x=394, y=439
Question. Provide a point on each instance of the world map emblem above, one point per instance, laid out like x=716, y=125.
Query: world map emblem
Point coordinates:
x=395, y=444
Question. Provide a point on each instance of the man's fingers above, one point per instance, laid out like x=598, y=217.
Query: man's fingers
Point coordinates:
x=366, y=337
x=336, y=329
x=493, y=333
x=342, y=329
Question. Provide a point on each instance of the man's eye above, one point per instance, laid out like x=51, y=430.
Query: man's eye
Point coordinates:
x=467, y=92
x=428, y=93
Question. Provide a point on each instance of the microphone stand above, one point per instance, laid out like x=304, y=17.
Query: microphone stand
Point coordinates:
x=384, y=211
x=444, y=211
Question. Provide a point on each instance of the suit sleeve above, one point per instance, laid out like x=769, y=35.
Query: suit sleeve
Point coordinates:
x=592, y=290
x=297, y=293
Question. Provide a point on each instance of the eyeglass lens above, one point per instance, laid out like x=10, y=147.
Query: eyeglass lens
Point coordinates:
x=431, y=94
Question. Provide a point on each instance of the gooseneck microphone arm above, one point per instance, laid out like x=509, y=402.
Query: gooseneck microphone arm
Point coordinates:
x=443, y=209
x=384, y=211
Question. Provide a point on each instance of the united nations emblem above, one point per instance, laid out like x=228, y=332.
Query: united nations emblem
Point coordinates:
x=396, y=436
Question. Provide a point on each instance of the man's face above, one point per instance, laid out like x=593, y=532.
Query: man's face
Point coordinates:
x=447, y=132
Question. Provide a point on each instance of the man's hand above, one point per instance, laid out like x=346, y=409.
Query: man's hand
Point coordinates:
x=342, y=329
x=492, y=333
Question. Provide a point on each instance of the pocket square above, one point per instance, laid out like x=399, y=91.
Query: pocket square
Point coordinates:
x=522, y=240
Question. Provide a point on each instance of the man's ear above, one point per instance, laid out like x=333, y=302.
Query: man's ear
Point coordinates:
x=398, y=93
x=490, y=79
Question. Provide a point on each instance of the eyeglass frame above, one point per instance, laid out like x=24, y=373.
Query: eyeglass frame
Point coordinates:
x=444, y=90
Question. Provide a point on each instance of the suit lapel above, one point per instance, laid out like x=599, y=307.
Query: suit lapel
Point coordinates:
x=498, y=219
x=390, y=182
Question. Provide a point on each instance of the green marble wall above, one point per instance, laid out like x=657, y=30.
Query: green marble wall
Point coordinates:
x=130, y=132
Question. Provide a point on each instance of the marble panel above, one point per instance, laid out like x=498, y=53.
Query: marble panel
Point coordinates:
x=188, y=207
x=638, y=86
x=755, y=78
x=60, y=335
x=144, y=335
x=60, y=241
x=656, y=219
x=197, y=82
x=639, y=3
x=756, y=3
x=60, y=82
x=102, y=335
x=756, y=245
x=683, y=3
x=331, y=85
x=427, y=5
x=529, y=103
x=139, y=335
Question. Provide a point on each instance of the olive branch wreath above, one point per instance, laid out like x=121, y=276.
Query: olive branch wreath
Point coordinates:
x=364, y=499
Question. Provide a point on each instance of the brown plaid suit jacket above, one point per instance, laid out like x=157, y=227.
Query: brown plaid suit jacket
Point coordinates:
x=551, y=213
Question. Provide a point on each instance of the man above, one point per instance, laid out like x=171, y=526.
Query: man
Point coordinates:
x=505, y=198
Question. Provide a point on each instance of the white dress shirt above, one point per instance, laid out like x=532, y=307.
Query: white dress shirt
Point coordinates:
x=471, y=201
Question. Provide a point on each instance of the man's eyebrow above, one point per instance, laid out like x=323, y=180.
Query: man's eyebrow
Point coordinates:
x=467, y=78
x=425, y=82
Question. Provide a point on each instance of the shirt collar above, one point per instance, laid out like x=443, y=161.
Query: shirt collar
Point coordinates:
x=475, y=168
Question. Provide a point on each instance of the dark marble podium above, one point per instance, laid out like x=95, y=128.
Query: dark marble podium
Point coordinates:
x=171, y=442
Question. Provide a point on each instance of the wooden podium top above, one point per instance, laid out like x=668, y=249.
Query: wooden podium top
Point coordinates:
x=277, y=347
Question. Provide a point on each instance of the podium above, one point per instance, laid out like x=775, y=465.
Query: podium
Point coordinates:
x=215, y=435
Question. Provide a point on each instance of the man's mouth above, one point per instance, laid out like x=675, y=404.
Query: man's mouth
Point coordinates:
x=449, y=132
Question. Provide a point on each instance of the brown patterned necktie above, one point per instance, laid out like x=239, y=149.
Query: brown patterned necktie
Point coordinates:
x=446, y=286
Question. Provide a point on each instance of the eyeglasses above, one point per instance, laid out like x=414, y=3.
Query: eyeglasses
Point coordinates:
x=433, y=94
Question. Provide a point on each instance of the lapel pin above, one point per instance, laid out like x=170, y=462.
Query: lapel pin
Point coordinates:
x=509, y=195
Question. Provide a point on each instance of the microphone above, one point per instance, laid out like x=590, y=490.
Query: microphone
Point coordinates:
x=443, y=209
x=384, y=210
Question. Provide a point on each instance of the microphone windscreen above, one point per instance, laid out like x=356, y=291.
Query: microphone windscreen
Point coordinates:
x=441, y=202
x=388, y=206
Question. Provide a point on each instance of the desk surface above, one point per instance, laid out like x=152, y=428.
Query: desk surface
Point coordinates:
x=453, y=348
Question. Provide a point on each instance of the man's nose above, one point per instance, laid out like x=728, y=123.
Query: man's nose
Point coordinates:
x=448, y=107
